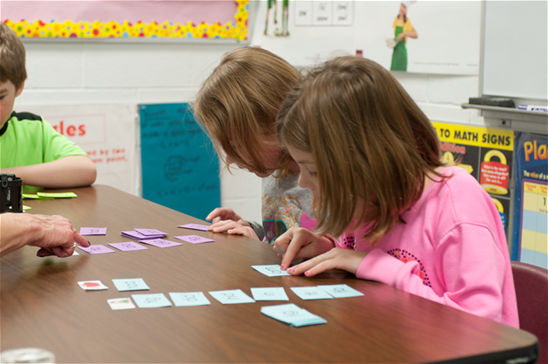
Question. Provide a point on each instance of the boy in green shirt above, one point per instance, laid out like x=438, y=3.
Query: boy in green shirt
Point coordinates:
x=29, y=146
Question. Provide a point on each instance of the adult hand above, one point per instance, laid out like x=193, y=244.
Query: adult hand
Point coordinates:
x=54, y=235
x=337, y=258
x=400, y=37
x=299, y=243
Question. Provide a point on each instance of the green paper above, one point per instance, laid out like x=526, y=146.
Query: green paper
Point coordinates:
x=25, y=208
x=28, y=195
x=56, y=195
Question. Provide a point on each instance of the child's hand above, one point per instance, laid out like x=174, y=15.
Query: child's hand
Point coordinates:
x=223, y=213
x=338, y=258
x=299, y=243
x=240, y=227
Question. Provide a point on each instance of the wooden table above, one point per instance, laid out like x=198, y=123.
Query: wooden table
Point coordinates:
x=43, y=306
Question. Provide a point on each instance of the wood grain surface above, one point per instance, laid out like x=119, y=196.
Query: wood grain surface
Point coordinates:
x=43, y=306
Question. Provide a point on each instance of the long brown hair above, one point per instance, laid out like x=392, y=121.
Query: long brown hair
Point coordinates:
x=369, y=141
x=238, y=104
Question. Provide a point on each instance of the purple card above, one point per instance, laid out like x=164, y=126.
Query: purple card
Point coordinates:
x=93, y=231
x=128, y=246
x=195, y=227
x=160, y=243
x=97, y=249
x=194, y=239
x=150, y=232
x=135, y=235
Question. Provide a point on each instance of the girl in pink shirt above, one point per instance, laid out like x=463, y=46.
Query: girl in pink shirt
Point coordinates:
x=372, y=161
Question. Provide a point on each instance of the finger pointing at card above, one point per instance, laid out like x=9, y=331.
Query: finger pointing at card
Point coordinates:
x=299, y=243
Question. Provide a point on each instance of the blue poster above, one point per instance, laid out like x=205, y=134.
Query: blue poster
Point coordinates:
x=530, y=233
x=179, y=163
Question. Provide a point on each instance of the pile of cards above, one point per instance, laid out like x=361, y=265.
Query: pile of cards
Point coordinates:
x=293, y=315
x=144, y=234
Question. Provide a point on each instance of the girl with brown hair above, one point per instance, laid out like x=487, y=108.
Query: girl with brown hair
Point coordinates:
x=237, y=105
x=372, y=161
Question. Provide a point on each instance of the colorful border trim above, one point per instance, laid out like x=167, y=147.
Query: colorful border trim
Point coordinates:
x=231, y=30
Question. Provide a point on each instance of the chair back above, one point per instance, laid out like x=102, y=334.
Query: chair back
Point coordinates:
x=531, y=284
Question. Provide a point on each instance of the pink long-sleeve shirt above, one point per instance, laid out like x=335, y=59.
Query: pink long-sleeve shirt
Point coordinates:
x=452, y=250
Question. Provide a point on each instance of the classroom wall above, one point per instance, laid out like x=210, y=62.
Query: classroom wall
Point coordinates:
x=75, y=73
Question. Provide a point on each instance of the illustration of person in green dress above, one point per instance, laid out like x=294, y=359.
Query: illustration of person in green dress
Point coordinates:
x=402, y=30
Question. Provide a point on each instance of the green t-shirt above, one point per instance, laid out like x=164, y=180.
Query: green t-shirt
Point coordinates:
x=27, y=139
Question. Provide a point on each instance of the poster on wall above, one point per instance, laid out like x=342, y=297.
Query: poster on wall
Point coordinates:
x=105, y=132
x=183, y=19
x=487, y=155
x=180, y=167
x=530, y=220
x=406, y=36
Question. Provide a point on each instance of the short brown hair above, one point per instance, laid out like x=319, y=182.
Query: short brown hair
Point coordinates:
x=12, y=57
x=238, y=104
x=368, y=138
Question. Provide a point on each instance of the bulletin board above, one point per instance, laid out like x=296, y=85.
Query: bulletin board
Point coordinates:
x=105, y=132
x=92, y=19
x=180, y=166
x=306, y=32
x=487, y=154
x=530, y=235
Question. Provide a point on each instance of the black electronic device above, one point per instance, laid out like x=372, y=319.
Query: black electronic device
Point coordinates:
x=11, y=195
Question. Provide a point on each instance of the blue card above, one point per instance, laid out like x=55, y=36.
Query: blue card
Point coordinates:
x=269, y=294
x=340, y=290
x=189, y=299
x=311, y=293
x=271, y=270
x=151, y=300
x=130, y=284
x=232, y=296
x=293, y=315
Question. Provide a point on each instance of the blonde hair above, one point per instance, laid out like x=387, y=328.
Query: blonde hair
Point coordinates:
x=238, y=104
x=12, y=57
x=368, y=139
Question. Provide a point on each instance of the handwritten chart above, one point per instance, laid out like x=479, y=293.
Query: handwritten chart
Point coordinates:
x=180, y=166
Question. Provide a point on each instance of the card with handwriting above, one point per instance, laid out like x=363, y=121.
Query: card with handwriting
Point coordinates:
x=160, y=243
x=293, y=315
x=56, y=195
x=92, y=285
x=93, y=231
x=151, y=300
x=128, y=246
x=271, y=270
x=149, y=232
x=130, y=284
x=121, y=303
x=194, y=227
x=340, y=290
x=194, y=239
x=232, y=296
x=311, y=293
x=189, y=299
x=96, y=249
x=269, y=294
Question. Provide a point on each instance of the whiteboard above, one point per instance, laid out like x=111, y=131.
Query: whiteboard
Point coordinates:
x=515, y=49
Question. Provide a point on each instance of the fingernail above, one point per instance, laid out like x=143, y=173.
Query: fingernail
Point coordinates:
x=282, y=266
x=88, y=242
x=307, y=273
